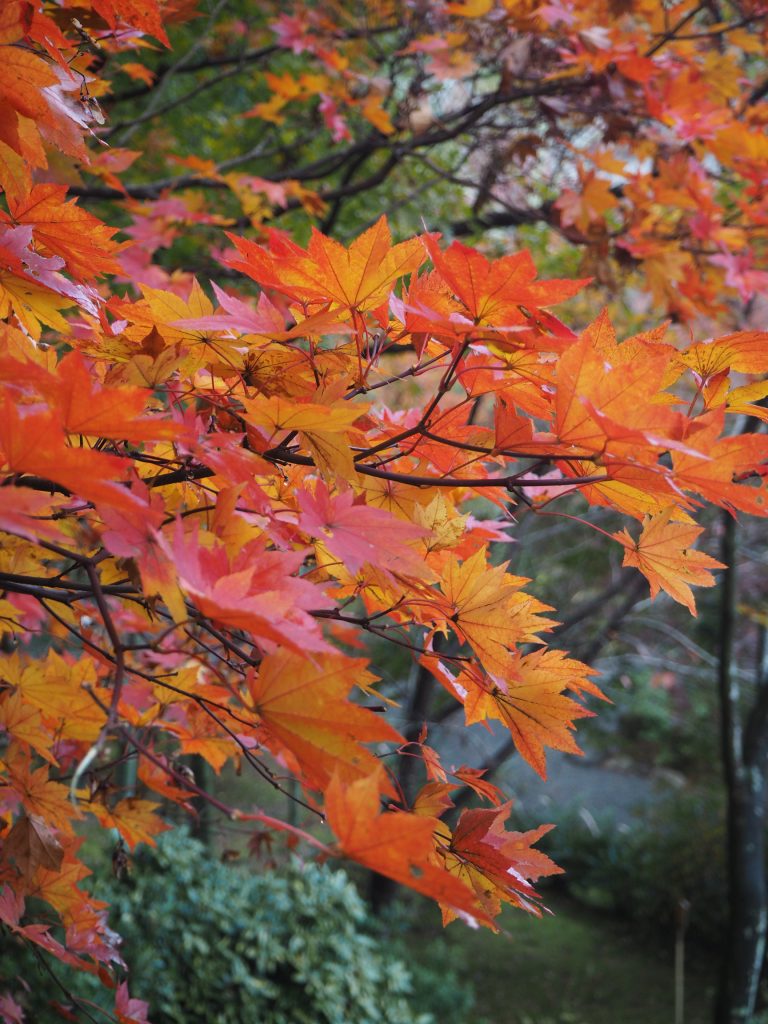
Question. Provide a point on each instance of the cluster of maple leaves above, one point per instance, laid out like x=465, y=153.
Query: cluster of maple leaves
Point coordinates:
x=632, y=129
x=207, y=504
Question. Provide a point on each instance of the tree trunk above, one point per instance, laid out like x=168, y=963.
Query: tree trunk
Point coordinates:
x=745, y=758
x=381, y=890
x=201, y=824
x=747, y=898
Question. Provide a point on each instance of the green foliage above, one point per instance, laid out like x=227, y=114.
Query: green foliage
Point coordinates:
x=440, y=982
x=566, y=1017
x=205, y=941
x=674, y=851
x=656, y=719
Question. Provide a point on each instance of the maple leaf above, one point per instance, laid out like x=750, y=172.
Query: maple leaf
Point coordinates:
x=39, y=795
x=156, y=324
x=129, y=1010
x=528, y=699
x=66, y=695
x=141, y=541
x=33, y=287
x=88, y=408
x=324, y=427
x=32, y=441
x=587, y=206
x=532, y=706
x=15, y=176
x=663, y=554
x=22, y=511
x=158, y=777
x=712, y=466
x=496, y=864
x=134, y=819
x=304, y=706
x=473, y=778
x=24, y=722
x=138, y=72
x=23, y=76
x=11, y=912
x=433, y=799
x=744, y=351
x=494, y=291
x=10, y=1011
x=484, y=607
x=516, y=432
x=605, y=403
x=200, y=733
x=266, y=320
x=444, y=526
x=357, y=533
x=256, y=591
x=31, y=844
x=358, y=278
x=144, y=15
x=397, y=844
x=59, y=886
x=61, y=227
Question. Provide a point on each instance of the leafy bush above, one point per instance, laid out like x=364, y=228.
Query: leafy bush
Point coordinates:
x=675, y=850
x=439, y=984
x=207, y=942
x=657, y=720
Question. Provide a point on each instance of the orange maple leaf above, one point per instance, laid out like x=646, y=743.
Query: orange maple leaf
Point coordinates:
x=24, y=722
x=530, y=702
x=589, y=205
x=602, y=402
x=304, y=706
x=59, y=887
x=713, y=465
x=359, y=278
x=397, y=844
x=744, y=352
x=32, y=441
x=134, y=819
x=662, y=553
x=494, y=291
x=529, y=699
x=64, y=229
x=38, y=793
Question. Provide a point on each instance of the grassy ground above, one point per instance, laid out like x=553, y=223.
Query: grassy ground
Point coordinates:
x=575, y=967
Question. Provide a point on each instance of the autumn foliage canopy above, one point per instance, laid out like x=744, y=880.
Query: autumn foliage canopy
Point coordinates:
x=214, y=493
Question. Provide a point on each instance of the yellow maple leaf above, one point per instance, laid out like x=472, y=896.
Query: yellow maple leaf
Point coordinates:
x=485, y=608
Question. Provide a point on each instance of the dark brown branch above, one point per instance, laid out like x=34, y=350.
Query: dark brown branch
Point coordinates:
x=670, y=35
x=452, y=126
x=242, y=60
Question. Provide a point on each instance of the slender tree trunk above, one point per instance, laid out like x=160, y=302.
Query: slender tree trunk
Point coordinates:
x=745, y=758
x=201, y=824
x=747, y=926
x=381, y=890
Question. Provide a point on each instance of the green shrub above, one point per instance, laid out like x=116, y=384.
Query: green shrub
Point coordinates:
x=207, y=942
x=674, y=850
x=658, y=721
x=411, y=930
